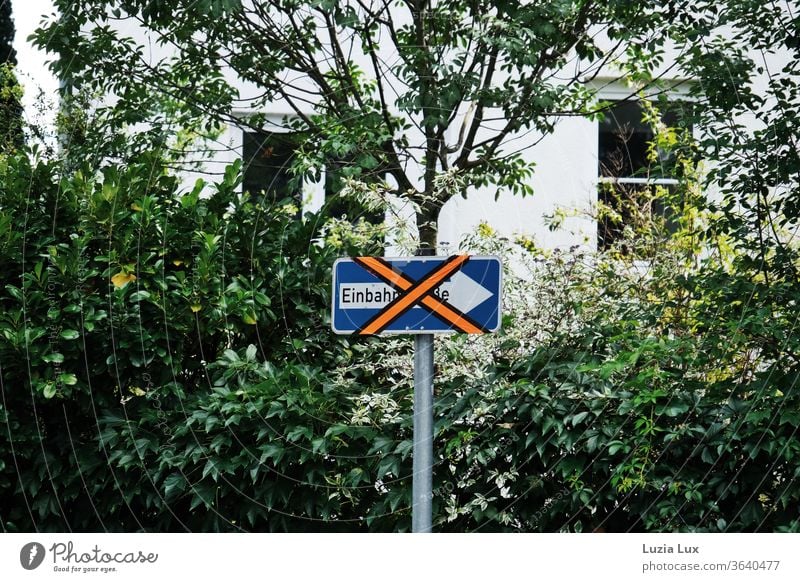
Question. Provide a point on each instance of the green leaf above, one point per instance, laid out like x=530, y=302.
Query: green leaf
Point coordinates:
x=578, y=418
x=319, y=445
x=139, y=295
x=49, y=390
x=549, y=422
x=615, y=446
x=272, y=451
x=211, y=422
x=676, y=409
x=211, y=467
x=68, y=379
x=707, y=456
x=387, y=465
x=54, y=357
x=404, y=448
x=173, y=486
x=70, y=334
x=337, y=429
x=297, y=432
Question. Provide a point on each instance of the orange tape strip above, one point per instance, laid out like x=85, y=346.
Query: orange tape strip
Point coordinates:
x=435, y=305
x=413, y=296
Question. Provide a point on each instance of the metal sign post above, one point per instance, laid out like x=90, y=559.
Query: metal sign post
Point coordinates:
x=422, y=482
x=421, y=295
x=422, y=467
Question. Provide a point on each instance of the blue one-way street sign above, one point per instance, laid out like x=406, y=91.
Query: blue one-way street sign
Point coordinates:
x=416, y=295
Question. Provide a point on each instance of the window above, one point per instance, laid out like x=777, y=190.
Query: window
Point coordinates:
x=268, y=158
x=267, y=163
x=629, y=180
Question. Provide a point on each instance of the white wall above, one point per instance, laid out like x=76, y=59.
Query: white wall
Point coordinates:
x=565, y=176
x=40, y=85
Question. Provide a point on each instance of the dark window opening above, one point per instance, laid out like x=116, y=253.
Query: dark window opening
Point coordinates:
x=630, y=181
x=267, y=165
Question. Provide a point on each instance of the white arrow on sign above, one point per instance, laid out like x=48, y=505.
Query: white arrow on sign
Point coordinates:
x=460, y=291
x=465, y=293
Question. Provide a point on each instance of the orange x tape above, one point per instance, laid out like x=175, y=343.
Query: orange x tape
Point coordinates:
x=419, y=292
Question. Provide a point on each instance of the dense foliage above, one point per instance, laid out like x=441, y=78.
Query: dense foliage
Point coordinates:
x=167, y=365
x=166, y=362
x=11, y=135
x=120, y=304
x=7, y=52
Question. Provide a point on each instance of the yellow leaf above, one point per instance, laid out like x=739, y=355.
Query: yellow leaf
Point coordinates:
x=177, y=262
x=121, y=279
x=136, y=391
x=249, y=319
x=196, y=308
x=136, y=207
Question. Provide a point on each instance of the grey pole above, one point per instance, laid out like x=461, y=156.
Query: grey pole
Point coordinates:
x=422, y=484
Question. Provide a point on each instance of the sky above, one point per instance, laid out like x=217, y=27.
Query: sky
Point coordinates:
x=32, y=70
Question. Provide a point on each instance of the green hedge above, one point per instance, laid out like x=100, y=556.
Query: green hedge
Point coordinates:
x=167, y=365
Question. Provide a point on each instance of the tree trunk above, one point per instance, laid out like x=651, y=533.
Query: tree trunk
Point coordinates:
x=428, y=230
